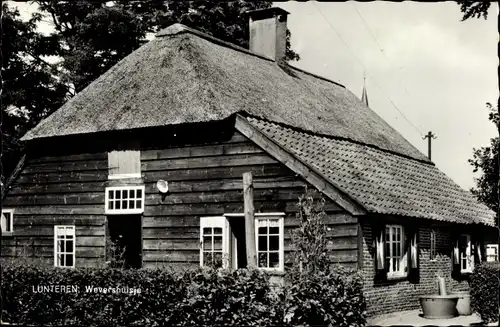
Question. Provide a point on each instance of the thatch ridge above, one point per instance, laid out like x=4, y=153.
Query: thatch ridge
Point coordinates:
x=187, y=77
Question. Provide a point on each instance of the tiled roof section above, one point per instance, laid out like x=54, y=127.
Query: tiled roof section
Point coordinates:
x=380, y=181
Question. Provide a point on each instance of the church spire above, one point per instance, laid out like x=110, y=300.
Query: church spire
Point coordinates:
x=364, y=95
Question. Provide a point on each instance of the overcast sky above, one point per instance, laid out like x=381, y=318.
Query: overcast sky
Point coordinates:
x=437, y=70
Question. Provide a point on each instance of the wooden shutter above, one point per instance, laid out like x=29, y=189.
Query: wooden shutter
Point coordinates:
x=124, y=163
x=455, y=255
x=478, y=250
x=413, y=254
x=379, y=253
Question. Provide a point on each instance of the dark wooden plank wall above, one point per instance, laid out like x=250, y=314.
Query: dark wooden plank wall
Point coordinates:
x=58, y=190
x=206, y=180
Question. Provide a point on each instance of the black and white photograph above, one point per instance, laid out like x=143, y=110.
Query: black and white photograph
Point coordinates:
x=250, y=163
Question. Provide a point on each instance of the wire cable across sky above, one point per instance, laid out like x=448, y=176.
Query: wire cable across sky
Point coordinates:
x=360, y=62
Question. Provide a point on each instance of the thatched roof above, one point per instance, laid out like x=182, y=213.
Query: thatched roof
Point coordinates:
x=381, y=182
x=184, y=76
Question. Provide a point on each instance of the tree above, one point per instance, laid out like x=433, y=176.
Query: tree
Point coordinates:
x=30, y=87
x=486, y=160
x=474, y=9
x=90, y=37
x=95, y=35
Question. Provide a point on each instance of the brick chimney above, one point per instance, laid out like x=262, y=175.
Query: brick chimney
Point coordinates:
x=268, y=32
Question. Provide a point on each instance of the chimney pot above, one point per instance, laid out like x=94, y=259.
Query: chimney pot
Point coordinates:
x=267, y=29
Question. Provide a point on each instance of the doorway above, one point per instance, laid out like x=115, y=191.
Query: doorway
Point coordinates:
x=124, y=241
x=238, y=242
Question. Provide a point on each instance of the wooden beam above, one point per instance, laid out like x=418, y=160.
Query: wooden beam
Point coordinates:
x=249, y=219
x=13, y=176
x=311, y=175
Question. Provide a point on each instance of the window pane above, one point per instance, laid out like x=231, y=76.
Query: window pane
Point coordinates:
x=262, y=243
x=217, y=259
x=274, y=259
x=262, y=230
x=131, y=204
x=110, y=194
x=69, y=260
x=218, y=230
x=274, y=243
x=69, y=246
x=118, y=194
x=218, y=243
x=263, y=259
x=125, y=204
x=132, y=194
x=207, y=230
x=139, y=194
x=274, y=230
x=61, y=260
x=207, y=243
x=125, y=194
x=118, y=205
x=62, y=246
x=111, y=205
x=207, y=258
x=138, y=204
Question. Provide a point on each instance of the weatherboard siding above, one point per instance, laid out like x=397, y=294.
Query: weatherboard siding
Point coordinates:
x=207, y=180
x=58, y=190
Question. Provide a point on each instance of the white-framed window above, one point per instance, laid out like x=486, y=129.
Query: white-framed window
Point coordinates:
x=432, y=250
x=491, y=252
x=124, y=199
x=124, y=164
x=7, y=221
x=214, y=242
x=269, y=239
x=64, y=246
x=219, y=242
x=465, y=249
x=395, y=254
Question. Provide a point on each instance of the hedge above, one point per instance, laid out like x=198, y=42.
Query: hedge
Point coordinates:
x=485, y=291
x=204, y=297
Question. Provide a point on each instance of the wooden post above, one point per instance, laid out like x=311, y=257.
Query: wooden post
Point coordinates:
x=249, y=220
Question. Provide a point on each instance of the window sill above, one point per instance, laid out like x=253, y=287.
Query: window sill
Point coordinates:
x=397, y=277
x=7, y=234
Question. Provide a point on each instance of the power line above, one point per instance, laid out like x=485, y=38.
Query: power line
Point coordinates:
x=381, y=50
x=362, y=65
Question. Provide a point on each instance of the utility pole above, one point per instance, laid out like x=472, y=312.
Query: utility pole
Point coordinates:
x=429, y=136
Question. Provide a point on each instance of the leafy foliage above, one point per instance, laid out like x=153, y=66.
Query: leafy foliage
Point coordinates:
x=486, y=160
x=89, y=38
x=485, y=291
x=319, y=293
x=474, y=9
x=31, y=89
x=203, y=297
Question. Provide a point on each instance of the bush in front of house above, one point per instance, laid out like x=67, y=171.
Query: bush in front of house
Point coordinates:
x=485, y=291
x=200, y=297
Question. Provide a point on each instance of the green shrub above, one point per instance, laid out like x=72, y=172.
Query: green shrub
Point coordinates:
x=485, y=291
x=201, y=297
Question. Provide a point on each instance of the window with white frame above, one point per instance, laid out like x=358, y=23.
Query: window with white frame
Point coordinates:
x=491, y=252
x=7, y=221
x=219, y=241
x=124, y=164
x=270, y=242
x=214, y=242
x=432, y=251
x=64, y=246
x=396, y=259
x=465, y=248
x=124, y=200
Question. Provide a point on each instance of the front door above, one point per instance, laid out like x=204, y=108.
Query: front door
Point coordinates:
x=125, y=241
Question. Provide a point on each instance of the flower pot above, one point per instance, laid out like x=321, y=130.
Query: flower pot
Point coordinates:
x=439, y=306
x=463, y=304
